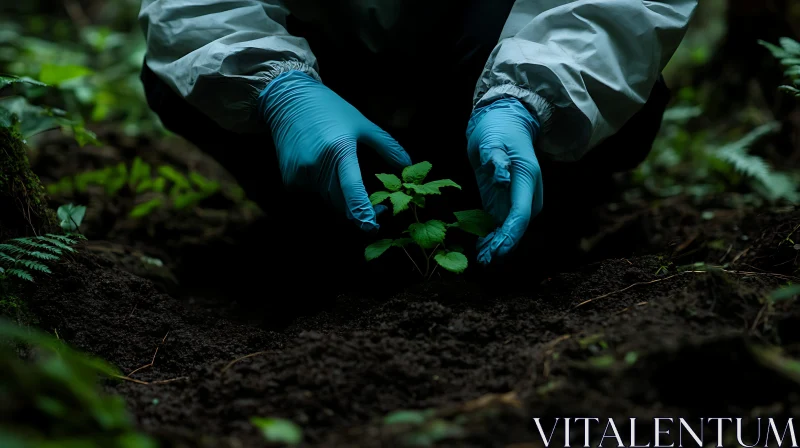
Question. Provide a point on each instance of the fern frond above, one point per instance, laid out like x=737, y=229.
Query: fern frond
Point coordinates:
x=12, y=249
x=35, y=266
x=56, y=243
x=778, y=185
x=7, y=258
x=19, y=273
x=42, y=255
x=63, y=238
x=38, y=245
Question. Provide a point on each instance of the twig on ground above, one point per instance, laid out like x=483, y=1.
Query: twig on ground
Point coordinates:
x=148, y=383
x=746, y=273
x=251, y=355
x=154, y=357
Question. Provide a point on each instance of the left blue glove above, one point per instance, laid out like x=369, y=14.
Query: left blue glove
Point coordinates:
x=500, y=140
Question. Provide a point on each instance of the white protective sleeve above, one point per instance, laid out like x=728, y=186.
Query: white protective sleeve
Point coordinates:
x=585, y=67
x=220, y=54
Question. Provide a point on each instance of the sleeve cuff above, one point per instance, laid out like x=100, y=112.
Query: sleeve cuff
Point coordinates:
x=536, y=104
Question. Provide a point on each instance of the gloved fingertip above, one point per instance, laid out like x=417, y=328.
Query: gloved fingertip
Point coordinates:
x=369, y=226
x=380, y=209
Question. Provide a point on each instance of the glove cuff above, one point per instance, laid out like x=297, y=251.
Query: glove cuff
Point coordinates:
x=507, y=102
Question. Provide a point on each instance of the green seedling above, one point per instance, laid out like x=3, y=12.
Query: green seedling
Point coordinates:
x=409, y=194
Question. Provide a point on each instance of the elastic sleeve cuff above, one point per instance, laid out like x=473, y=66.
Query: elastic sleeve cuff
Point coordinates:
x=536, y=104
x=265, y=77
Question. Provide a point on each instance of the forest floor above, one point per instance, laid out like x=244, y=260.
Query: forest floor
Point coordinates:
x=219, y=334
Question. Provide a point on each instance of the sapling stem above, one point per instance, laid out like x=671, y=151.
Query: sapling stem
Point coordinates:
x=412, y=260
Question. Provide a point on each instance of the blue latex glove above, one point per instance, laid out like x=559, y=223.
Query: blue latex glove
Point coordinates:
x=500, y=140
x=316, y=133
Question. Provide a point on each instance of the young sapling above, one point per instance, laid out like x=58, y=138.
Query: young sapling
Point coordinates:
x=409, y=194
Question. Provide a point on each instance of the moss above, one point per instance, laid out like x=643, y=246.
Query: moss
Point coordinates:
x=23, y=198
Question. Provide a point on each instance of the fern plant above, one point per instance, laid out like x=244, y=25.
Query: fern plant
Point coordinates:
x=21, y=258
x=788, y=53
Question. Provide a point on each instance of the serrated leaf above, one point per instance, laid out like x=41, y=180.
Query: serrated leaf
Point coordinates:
x=400, y=201
x=390, y=181
x=416, y=173
x=429, y=234
x=418, y=200
x=431, y=187
x=452, y=261
x=278, y=430
x=790, y=45
x=378, y=197
x=71, y=216
x=377, y=249
x=476, y=222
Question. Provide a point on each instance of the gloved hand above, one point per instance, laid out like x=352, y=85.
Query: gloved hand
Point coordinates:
x=500, y=140
x=315, y=133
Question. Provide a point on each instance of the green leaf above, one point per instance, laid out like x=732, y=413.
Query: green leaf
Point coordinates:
x=428, y=234
x=84, y=136
x=146, y=208
x=377, y=249
x=59, y=74
x=400, y=201
x=378, y=197
x=175, y=176
x=278, y=430
x=418, y=200
x=784, y=293
x=454, y=262
x=6, y=80
x=390, y=181
x=140, y=172
x=205, y=185
x=476, y=222
x=416, y=173
x=405, y=418
x=431, y=187
x=71, y=216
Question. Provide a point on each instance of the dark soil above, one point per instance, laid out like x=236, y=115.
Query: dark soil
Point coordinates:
x=228, y=330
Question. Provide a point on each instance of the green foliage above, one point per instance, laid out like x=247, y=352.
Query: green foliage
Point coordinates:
x=788, y=53
x=95, y=67
x=51, y=398
x=687, y=161
x=71, y=216
x=22, y=258
x=18, y=113
x=429, y=236
x=278, y=430
x=164, y=185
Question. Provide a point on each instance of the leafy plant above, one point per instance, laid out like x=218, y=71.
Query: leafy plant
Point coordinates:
x=96, y=66
x=788, y=53
x=683, y=161
x=51, y=398
x=71, y=216
x=160, y=183
x=409, y=194
x=20, y=258
x=278, y=430
x=17, y=112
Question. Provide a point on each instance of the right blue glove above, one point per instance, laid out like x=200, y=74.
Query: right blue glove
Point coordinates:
x=316, y=133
